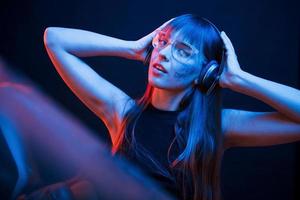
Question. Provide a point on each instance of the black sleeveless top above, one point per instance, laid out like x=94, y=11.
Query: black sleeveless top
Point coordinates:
x=154, y=133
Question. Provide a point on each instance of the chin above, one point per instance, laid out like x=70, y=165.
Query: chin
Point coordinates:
x=156, y=84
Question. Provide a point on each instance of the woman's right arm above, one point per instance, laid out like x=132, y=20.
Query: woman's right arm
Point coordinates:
x=64, y=47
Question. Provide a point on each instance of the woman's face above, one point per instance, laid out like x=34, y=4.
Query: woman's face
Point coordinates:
x=175, y=63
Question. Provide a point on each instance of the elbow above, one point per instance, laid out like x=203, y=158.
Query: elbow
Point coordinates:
x=50, y=37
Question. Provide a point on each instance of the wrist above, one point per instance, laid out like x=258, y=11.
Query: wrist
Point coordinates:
x=236, y=80
x=135, y=51
x=128, y=50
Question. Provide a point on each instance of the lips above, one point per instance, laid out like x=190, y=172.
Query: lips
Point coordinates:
x=159, y=67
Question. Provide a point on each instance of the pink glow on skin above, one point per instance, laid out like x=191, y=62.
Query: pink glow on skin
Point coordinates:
x=179, y=75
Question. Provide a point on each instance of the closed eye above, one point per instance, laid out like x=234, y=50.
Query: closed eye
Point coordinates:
x=183, y=49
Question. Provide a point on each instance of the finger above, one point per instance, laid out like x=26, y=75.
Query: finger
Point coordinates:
x=148, y=38
x=228, y=45
x=151, y=35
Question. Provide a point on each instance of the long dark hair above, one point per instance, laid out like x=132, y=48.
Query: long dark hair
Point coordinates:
x=198, y=125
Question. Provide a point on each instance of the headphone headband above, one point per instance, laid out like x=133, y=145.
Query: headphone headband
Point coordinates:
x=211, y=72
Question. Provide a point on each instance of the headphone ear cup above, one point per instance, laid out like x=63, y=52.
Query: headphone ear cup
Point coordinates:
x=209, y=77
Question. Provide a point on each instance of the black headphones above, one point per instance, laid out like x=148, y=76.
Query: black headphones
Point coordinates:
x=210, y=73
x=209, y=76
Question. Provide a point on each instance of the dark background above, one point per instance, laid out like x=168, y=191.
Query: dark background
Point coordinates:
x=265, y=34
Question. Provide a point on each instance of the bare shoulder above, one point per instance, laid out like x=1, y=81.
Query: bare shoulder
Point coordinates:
x=242, y=128
x=233, y=117
x=122, y=107
x=227, y=115
x=233, y=121
x=238, y=125
x=125, y=107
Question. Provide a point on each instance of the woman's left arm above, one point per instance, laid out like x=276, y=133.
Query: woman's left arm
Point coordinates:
x=258, y=128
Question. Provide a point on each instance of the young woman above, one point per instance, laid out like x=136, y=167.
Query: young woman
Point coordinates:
x=177, y=131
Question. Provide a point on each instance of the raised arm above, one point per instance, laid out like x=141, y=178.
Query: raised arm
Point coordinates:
x=246, y=128
x=65, y=46
x=84, y=43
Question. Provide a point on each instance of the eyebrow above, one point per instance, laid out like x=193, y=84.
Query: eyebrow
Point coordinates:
x=161, y=33
x=186, y=44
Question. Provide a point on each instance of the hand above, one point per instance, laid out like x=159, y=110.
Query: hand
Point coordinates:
x=141, y=45
x=231, y=68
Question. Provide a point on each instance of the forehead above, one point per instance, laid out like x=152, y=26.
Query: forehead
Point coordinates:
x=173, y=34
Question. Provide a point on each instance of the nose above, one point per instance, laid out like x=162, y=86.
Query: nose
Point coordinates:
x=165, y=53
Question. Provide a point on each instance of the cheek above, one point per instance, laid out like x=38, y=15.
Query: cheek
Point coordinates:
x=182, y=78
x=154, y=54
x=184, y=73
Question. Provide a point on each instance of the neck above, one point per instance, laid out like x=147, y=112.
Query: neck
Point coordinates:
x=166, y=99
